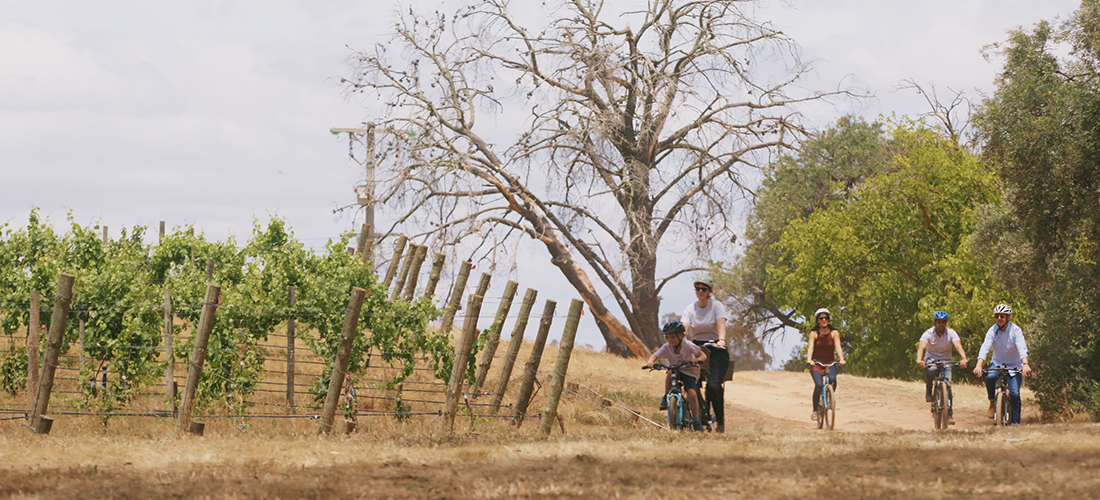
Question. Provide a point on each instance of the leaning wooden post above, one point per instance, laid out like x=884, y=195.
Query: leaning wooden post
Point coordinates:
x=456, y=297
x=565, y=350
x=169, y=355
x=532, y=368
x=58, y=319
x=34, y=339
x=483, y=284
x=433, y=277
x=160, y=238
x=198, y=356
x=494, y=335
x=403, y=274
x=391, y=270
x=414, y=271
x=290, y=326
x=462, y=360
x=513, y=349
x=343, y=357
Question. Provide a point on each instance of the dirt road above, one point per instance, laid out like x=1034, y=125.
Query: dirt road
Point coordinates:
x=863, y=404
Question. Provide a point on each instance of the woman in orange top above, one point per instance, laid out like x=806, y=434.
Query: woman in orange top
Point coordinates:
x=824, y=344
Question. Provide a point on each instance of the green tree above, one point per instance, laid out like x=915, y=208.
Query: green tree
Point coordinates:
x=1041, y=128
x=893, y=250
x=827, y=167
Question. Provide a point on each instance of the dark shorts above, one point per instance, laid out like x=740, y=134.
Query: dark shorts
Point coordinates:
x=688, y=380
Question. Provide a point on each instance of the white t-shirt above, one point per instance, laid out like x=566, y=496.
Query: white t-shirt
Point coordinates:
x=939, y=346
x=704, y=320
x=688, y=352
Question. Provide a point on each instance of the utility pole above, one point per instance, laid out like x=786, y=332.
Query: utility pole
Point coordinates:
x=365, y=192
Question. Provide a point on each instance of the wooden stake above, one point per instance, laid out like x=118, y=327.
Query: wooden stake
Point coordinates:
x=391, y=270
x=462, y=359
x=105, y=239
x=169, y=355
x=198, y=355
x=403, y=274
x=34, y=339
x=565, y=350
x=532, y=369
x=58, y=319
x=483, y=284
x=433, y=277
x=290, y=327
x=513, y=348
x=414, y=271
x=210, y=268
x=494, y=335
x=343, y=356
x=160, y=239
x=456, y=297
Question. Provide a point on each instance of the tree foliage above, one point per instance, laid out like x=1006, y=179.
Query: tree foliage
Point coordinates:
x=1041, y=129
x=892, y=250
x=638, y=131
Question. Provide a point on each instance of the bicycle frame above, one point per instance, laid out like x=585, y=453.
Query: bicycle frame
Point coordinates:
x=677, y=410
x=1002, y=412
x=826, y=410
x=941, y=400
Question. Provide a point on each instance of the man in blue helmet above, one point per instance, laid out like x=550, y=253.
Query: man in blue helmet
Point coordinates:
x=938, y=341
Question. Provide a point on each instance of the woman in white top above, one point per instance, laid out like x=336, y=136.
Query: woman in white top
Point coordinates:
x=705, y=320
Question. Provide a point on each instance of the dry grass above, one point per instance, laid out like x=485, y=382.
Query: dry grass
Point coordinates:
x=603, y=453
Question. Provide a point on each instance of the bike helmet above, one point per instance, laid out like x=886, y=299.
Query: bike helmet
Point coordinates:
x=1002, y=309
x=940, y=315
x=673, y=327
x=705, y=281
x=822, y=310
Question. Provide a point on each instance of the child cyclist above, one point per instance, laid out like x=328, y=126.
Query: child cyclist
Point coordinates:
x=676, y=350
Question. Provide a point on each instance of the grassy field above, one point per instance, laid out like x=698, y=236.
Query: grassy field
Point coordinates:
x=884, y=448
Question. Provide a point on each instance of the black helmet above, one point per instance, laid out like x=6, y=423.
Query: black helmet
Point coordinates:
x=673, y=326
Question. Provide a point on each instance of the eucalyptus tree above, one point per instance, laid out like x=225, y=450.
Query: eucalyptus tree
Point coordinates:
x=609, y=137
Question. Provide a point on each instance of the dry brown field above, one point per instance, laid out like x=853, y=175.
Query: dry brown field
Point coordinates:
x=883, y=447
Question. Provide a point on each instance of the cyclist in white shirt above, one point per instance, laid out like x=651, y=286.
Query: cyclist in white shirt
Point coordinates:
x=1005, y=342
x=938, y=341
x=705, y=320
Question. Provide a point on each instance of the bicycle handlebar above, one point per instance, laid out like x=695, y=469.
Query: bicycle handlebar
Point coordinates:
x=659, y=366
x=824, y=365
x=941, y=363
x=1011, y=371
x=712, y=343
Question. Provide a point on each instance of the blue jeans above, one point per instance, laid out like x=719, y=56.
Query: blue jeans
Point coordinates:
x=819, y=383
x=1013, y=392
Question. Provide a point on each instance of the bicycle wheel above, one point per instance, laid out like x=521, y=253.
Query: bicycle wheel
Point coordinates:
x=1000, y=408
x=940, y=400
x=675, y=412
x=821, y=402
x=830, y=408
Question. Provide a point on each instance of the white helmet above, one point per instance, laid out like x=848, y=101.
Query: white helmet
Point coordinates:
x=822, y=310
x=1002, y=309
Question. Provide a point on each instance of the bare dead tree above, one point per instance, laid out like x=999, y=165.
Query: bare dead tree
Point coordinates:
x=633, y=137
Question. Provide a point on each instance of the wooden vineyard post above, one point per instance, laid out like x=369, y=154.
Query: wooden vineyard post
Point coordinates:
x=198, y=358
x=105, y=239
x=210, y=268
x=34, y=340
x=494, y=335
x=565, y=350
x=169, y=355
x=414, y=271
x=513, y=349
x=80, y=348
x=433, y=277
x=391, y=271
x=160, y=238
x=403, y=274
x=290, y=327
x=58, y=319
x=462, y=359
x=483, y=284
x=343, y=356
x=532, y=369
x=456, y=297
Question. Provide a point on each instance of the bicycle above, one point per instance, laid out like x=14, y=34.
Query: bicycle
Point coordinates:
x=1002, y=413
x=826, y=408
x=941, y=394
x=675, y=398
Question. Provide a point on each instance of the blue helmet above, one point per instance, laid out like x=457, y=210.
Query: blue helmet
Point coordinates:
x=940, y=315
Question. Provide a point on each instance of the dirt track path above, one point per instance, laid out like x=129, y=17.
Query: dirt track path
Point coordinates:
x=863, y=404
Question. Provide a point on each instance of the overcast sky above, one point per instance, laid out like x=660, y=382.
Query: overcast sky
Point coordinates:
x=216, y=112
